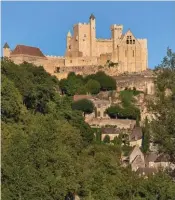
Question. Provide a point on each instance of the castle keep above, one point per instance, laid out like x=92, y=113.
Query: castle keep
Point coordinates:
x=84, y=52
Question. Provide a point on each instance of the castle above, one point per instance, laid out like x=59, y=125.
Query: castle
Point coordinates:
x=84, y=52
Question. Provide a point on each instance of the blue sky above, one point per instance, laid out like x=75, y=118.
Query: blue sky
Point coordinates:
x=45, y=24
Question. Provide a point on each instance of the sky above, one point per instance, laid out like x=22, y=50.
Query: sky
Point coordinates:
x=45, y=24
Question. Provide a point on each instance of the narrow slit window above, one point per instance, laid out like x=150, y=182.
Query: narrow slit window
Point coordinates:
x=133, y=53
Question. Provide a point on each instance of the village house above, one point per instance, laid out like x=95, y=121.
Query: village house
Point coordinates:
x=136, y=159
x=135, y=138
x=112, y=132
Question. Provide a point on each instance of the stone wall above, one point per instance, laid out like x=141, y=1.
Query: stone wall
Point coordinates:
x=120, y=123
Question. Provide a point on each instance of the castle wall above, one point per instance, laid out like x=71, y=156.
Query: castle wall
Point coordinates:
x=103, y=46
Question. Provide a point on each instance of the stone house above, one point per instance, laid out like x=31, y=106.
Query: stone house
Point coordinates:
x=163, y=161
x=112, y=132
x=150, y=159
x=135, y=138
x=136, y=158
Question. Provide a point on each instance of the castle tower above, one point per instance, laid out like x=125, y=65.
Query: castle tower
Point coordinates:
x=6, y=50
x=68, y=41
x=92, y=35
x=116, y=32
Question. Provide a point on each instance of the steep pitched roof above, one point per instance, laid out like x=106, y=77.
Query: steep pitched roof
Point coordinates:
x=6, y=46
x=110, y=130
x=136, y=134
x=151, y=157
x=27, y=50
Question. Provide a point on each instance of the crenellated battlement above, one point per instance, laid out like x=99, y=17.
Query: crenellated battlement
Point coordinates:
x=56, y=57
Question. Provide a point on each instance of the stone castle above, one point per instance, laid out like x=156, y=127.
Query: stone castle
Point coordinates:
x=84, y=52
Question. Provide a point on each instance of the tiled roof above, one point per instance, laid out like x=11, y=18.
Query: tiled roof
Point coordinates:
x=80, y=97
x=151, y=157
x=136, y=134
x=27, y=50
x=110, y=130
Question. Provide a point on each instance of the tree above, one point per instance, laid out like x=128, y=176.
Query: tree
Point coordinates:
x=146, y=137
x=12, y=105
x=106, y=139
x=85, y=105
x=162, y=128
x=93, y=86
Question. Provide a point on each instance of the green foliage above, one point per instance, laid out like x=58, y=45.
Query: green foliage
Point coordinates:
x=36, y=86
x=106, y=139
x=146, y=137
x=72, y=85
x=127, y=96
x=129, y=112
x=93, y=86
x=162, y=128
x=52, y=154
x=11, y=100
x=85, y=105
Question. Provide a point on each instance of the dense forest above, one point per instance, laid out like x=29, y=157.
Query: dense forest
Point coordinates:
x=50, y=153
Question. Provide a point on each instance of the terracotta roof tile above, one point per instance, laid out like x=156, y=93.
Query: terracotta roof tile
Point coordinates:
x=27, y=50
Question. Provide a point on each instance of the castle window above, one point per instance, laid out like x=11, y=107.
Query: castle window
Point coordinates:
x=133, y=41
x=127, y=41
x=133, y=53
x=69, y=46
x=130, y=41
x=127, y=37
x=130, y=37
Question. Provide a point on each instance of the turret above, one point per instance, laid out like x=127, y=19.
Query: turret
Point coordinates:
x=6, y=50
x=116, y=32
x=92, y=35
x=69, y=41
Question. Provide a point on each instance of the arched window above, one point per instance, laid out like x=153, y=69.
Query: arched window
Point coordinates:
x=133, y=41
x=127, y=41
x=130, y=41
